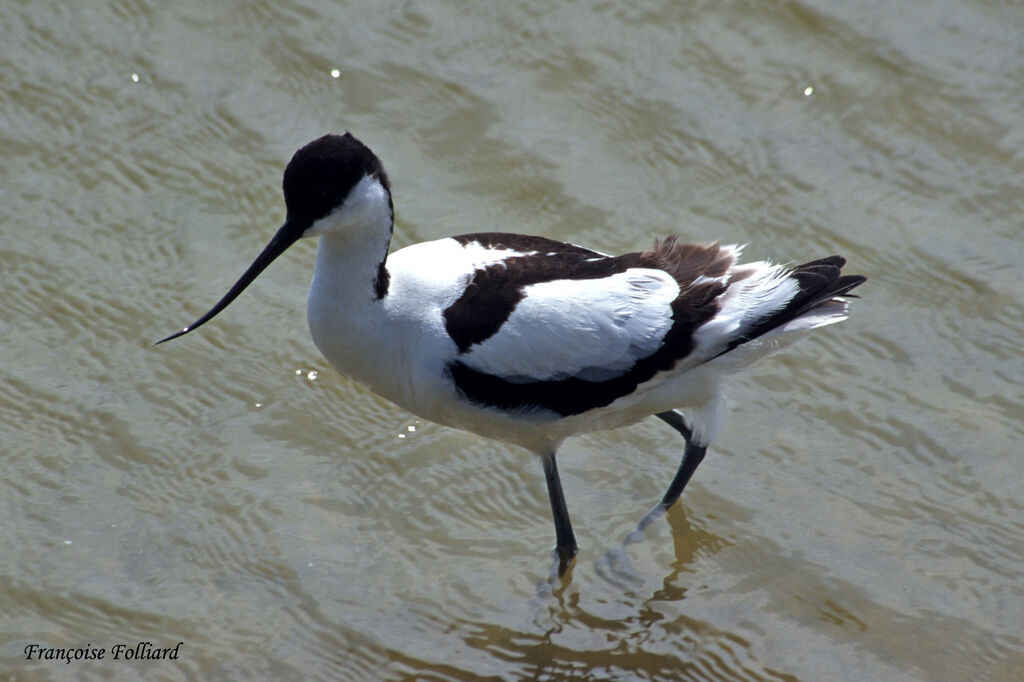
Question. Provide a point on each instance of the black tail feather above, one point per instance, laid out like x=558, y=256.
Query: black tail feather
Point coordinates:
x=820, y=281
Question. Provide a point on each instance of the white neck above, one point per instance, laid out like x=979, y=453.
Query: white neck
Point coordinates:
x=354, y=239
x=344, y=309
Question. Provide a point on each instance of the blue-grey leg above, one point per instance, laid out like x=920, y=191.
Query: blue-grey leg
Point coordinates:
x=565, y=540
x=676, y=420
x=693, y=455
x=619, y=566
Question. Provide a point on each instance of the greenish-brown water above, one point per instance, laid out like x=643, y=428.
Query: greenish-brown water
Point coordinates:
x=861, y=517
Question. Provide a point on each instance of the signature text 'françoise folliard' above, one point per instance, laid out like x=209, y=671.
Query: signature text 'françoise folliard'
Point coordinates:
x=143, y=651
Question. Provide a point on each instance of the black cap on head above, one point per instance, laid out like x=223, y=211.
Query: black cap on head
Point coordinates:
x=316, y=181
x=321, y=174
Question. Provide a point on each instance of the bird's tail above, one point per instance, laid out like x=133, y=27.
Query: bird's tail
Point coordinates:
x=766, y=301
x=816, y=302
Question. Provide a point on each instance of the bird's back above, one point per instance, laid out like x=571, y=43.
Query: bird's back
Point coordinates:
x=531, y=329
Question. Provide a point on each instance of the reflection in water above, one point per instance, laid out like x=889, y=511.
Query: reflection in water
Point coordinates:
x=559, y=614
x=687, y=540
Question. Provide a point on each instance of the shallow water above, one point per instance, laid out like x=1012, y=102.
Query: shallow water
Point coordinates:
x=861, y=518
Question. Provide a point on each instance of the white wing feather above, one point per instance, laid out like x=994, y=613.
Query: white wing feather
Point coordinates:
x=594, y=329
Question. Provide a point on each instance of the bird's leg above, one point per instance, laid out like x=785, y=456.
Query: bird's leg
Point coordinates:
x=692, y=457
x=676, y=420
x=565, y=544
x=618, y=560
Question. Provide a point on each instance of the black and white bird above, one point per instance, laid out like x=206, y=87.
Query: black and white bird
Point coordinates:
x=530, y=340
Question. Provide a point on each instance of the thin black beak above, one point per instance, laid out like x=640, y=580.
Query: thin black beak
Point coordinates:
x=287, y=235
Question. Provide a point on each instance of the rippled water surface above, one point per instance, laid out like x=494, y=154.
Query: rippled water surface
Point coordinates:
x=860, y=519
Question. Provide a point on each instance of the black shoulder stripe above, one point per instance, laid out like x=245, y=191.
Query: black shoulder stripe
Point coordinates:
x=819, y=281
x=494, y=291
x=522, y=243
